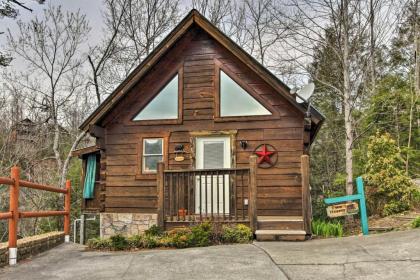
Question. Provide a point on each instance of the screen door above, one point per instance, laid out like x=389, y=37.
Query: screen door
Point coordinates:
x=212, y=153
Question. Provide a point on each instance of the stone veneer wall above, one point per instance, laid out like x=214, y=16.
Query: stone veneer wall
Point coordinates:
x=30, y=246
x=125, y=223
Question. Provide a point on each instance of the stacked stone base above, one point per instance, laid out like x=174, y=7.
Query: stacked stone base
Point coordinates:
x=127, y=224
x=31, y=246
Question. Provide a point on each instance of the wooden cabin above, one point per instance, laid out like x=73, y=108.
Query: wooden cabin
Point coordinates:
x=200, y=131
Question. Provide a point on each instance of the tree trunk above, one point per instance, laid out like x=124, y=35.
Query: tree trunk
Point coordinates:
x=67, y=160
x=348, y=120
x=416, y=93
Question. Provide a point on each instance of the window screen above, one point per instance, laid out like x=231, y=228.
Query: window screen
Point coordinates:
x=235, y=101
x=213, y=155
x=164, y=106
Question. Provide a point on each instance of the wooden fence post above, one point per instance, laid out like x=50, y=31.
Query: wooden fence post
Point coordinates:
x=67, y=202
x=14, y=221
x=306, y=195
x=252, y=203
x=160, y=193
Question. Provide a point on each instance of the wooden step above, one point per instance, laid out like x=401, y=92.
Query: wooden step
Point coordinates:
x=280, y=222
x=280, y=235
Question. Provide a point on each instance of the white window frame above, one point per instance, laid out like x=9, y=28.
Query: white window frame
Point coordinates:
x=144, y=155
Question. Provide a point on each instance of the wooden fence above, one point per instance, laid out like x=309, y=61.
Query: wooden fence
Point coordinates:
x=14, y=214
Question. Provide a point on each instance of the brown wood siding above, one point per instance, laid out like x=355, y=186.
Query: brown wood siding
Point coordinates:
x=279, y=188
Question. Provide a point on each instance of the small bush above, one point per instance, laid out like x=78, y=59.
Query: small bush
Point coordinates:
x=327, y=229
x=416, y=222
x=135, y=241
x=154, y=231
x=150, y=241
x=179, y=238
x=119, y=242
x=201, y=235
x=236, y=234
x=99, y=244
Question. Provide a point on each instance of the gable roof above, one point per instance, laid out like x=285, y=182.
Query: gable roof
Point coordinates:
x=194, y=17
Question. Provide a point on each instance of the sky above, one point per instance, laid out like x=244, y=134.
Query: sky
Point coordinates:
x=91, y=8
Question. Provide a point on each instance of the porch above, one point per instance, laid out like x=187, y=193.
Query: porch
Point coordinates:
x=227, y=195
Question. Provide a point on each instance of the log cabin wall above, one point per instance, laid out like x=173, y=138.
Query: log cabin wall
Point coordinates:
x=196, y=56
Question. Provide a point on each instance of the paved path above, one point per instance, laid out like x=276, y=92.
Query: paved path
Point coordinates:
x=394, y=255
x=217, y=262
x=383, y=256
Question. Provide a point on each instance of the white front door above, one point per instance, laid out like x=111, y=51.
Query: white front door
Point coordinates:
x=212, y=153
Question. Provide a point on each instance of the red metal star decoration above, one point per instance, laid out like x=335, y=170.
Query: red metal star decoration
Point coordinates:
x=264, y=155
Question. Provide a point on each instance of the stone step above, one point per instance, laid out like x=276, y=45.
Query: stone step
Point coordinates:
x=280, y=235
x=280, y=223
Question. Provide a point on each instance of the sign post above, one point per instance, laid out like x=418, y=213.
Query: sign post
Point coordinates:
x=348, y=208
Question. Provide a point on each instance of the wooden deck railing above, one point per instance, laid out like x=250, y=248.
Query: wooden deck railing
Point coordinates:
x=219, y=195
x=15, y=214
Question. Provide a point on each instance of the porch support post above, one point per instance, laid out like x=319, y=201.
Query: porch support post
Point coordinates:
x=160, y=193
x=252, y=204
x=306, y=195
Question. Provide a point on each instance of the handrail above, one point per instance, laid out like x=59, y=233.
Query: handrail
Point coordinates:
x=220, y=195
x=31, y=185
x=205, y=170
x=14, y=214
x=6, y=181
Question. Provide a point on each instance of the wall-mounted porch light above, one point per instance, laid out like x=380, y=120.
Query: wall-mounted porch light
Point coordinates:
x=243, y=144
x=179, y=152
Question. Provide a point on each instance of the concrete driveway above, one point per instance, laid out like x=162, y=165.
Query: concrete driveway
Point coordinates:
x=384, y=256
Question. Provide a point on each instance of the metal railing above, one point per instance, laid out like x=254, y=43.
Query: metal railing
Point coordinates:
x=14, y=214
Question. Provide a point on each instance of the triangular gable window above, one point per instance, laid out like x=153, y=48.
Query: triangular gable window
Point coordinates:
x=235, y=101
x=164, y=106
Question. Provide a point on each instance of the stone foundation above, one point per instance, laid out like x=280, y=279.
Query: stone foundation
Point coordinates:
x=30, y=246
x=126, y=224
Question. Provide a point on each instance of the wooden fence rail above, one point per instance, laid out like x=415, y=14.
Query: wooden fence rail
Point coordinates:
x=14, y=214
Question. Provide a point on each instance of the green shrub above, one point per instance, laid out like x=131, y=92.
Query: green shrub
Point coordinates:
x=388, y=189
x=416, y=222
x=119, y=242
x=200, y=235
x=179, y=238
x=99, y=243
x=236, y=234
x=150, y=241
x=135, y=241
x=154, y=231
x=327, y=229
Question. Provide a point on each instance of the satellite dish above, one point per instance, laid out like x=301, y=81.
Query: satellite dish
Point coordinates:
x=305, y=93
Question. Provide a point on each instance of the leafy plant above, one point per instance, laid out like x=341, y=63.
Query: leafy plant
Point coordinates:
x=154, y=230
x=327, y=229
x=389, y=190
x=119, y=242
x=236, y=234
x=201, y=235
x=416, y=222
x=99, y=243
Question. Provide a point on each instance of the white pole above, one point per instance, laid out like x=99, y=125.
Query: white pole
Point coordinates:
x=12, y=256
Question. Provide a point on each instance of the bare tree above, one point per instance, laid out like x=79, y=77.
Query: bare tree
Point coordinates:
x=100, y=55
x=51, y=49
x=143, y=25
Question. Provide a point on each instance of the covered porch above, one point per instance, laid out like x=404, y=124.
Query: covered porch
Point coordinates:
x=226, y=195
